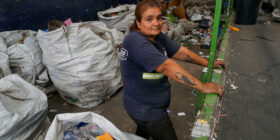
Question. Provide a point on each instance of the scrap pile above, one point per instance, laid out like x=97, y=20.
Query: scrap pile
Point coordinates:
x=197, y=28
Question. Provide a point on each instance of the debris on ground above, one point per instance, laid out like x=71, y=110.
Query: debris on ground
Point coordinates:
x=233, y=87
x=233, y=28
x=276, y=15
x=168, y=111
x=53, y=110
x=181, y=114
x=201, y=129
x=222, y=115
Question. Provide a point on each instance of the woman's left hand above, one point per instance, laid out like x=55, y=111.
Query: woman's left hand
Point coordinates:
x=219, y=64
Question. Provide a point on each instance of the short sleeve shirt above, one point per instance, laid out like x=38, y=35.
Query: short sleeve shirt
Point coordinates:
x=146, y=94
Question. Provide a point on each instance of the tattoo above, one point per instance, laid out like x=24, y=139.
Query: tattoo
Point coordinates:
x=181, y=76
x=189, y=59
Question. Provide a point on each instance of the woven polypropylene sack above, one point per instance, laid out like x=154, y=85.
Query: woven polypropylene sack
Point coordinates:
x=23, y=108
x=25, y=56
x=82, y=62
x=120, y=17
x=56, y=130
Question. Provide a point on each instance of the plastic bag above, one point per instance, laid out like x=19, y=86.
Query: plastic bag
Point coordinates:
x=60, y=124
x=25, y=55
x=23, y=108
x=120, y=17
x=4, y=65
x=82, y=62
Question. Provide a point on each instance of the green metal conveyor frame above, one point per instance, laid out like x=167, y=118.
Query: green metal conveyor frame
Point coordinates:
x=206, y=104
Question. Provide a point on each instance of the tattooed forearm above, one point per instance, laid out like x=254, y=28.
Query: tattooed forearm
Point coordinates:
x=189, y=59
x=181, y=76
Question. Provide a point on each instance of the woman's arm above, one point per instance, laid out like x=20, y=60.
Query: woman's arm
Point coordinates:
x=187, y=55
x=173, y=70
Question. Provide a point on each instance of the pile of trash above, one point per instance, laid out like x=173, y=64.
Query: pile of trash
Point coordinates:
x=196, y=29
x=202, y=15
x=175, y=31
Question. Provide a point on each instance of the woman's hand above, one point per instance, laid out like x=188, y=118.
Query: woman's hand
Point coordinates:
x=212, y=88
x=219, y=64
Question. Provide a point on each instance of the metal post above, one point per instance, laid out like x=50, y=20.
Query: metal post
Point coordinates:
x=207, y=77
x=200, y=95
x=227, y=17
x=214, y=40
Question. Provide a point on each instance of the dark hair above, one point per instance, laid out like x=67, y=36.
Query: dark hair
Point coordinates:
x=141, y=7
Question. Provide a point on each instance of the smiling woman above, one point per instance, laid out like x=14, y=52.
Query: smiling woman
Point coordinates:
x=146, y=65
x=151, y=23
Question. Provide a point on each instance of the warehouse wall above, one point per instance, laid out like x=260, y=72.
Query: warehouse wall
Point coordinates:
x=34, y=14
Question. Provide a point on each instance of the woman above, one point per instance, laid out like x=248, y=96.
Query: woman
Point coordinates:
x=145, y=68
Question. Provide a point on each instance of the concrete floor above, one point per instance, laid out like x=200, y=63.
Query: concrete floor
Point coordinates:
x=253, y=109
x=182, y=100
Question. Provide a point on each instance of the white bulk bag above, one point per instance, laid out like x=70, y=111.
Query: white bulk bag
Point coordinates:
x=123, y=17
x=26, y=61
x=4, y=65
x=3, y=46
x=25, y=56
x=23, y=108
x=82, y=62
x=56, y=130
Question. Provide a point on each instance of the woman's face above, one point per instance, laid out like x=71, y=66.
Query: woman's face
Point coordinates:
x=151, y=22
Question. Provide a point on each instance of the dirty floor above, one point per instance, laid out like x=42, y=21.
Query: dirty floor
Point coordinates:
x=251, y=102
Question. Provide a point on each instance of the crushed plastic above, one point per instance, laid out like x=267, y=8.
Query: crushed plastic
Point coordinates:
x=201, y=128
x=82, y=130
x=181, y=114
x=233, y=86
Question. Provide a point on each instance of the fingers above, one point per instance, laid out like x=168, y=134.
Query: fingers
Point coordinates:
x=220, y=64
x=220, y=91
x=212, y=88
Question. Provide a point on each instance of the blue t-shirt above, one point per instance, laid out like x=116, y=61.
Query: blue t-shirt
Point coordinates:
x=146, y=94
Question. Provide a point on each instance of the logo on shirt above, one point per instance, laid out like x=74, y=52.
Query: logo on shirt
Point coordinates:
x=165, y=53
x=123, y=54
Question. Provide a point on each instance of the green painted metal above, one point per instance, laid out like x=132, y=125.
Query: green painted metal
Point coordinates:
x=207, y=112
x=231, y=5
x=214, y=40
x=209, y=105
x=210, y=101
x=227, y=17
x=200, y=95
x=206, y=77
x=224, y=45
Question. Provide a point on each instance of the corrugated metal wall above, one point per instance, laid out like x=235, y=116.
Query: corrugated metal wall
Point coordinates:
x=34, y=14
